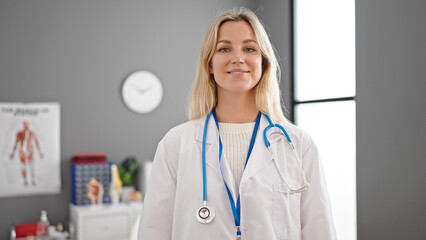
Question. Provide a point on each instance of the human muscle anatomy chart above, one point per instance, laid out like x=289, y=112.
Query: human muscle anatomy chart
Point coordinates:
x=29, y=149
x=25, y=141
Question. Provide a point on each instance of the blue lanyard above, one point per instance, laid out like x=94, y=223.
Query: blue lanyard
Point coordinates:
x=236, y=209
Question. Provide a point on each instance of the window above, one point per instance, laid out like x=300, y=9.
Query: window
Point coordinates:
x=323, y=97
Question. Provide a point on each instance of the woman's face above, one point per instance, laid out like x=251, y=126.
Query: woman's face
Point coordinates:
x=237, y=61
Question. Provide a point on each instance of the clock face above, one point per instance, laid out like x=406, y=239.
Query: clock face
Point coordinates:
x=142, y=92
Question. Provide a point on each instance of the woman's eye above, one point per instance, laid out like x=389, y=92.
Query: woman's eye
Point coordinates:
x=250, y=49
x=223, y=49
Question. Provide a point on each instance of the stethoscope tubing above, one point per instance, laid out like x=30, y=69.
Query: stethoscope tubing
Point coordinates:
x=236, y=209
x=271, y=125
x=204, y=159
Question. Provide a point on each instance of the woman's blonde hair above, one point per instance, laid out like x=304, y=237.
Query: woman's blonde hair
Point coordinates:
x=203, y=96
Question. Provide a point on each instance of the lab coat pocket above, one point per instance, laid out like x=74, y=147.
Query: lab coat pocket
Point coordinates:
x=286, y=212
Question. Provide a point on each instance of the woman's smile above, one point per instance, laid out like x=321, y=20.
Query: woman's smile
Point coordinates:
x=237, y=72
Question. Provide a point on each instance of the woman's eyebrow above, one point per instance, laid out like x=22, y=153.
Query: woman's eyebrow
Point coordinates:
x=249, y=40
x=223, y=41
x=227, y=41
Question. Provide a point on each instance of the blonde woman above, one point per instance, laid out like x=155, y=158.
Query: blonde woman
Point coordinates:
x=238, y=169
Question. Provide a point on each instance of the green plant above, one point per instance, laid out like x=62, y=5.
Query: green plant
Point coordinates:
x=127, y=170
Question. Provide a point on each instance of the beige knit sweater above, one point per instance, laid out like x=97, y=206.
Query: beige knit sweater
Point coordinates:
x=236, y=141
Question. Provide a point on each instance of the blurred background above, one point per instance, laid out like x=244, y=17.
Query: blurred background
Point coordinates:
x=78, y=53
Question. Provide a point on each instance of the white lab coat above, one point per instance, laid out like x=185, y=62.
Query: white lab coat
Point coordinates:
x=268, y=211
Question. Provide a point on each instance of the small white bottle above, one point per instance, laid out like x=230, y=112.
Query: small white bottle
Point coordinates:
x=43, y=227
x=13, y=233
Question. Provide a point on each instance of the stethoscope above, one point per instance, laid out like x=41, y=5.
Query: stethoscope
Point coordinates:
x=206, y=214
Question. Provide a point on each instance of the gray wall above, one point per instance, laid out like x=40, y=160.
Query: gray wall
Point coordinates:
x=391, y=119
x=77, y=53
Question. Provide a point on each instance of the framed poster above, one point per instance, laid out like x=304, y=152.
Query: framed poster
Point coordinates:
x=29, y=149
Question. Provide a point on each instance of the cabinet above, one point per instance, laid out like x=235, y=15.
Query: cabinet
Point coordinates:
x=107, y=222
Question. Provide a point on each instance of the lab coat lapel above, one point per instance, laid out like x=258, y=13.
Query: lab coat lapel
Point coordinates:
x=260, y=156
x=212, y=153
x=228, y=177
x=212, y=143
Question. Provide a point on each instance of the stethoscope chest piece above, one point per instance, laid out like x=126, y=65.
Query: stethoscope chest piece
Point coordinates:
x=205, y=214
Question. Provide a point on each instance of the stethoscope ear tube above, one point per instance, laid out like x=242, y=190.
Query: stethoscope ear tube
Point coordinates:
x=271, y=125
x=305, y=184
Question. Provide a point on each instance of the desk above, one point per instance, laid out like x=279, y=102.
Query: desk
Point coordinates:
x=106, y=222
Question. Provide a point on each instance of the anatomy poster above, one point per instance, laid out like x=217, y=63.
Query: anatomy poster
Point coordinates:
x=29, y=149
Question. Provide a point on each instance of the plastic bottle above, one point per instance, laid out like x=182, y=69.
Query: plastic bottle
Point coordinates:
x=43, y=227
x=13, y=233
x=115, y=185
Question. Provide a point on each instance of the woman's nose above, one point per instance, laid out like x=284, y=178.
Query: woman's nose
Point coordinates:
x=238, y=57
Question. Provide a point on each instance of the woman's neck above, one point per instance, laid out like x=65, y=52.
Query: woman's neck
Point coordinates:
x=236, y=108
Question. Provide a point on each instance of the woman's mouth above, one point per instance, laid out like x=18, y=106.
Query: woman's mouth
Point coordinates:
x=237, y=72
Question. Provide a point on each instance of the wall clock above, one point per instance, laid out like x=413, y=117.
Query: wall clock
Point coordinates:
x=142, y=92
